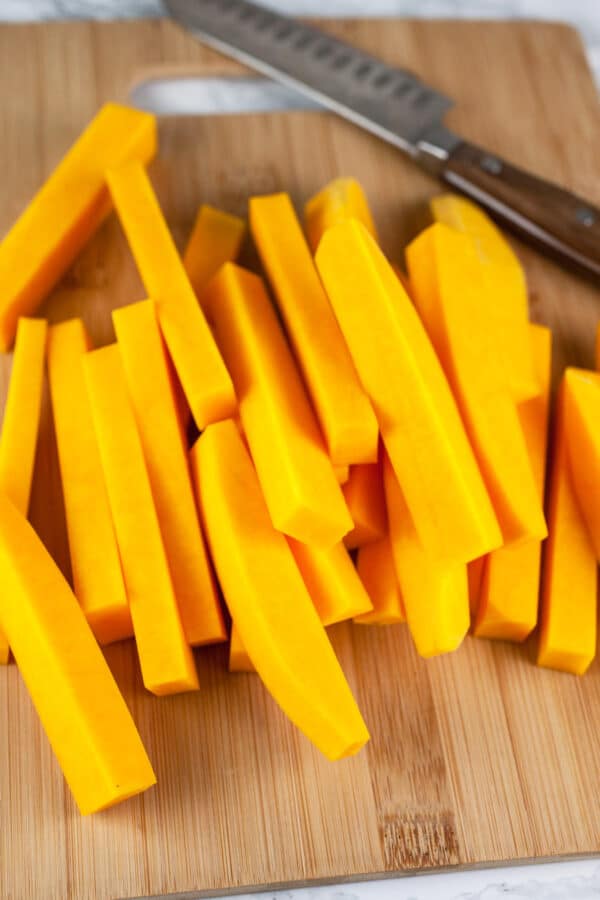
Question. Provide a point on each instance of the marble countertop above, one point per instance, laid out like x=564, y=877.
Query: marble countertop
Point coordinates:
x=578, y=880
x=573, y=880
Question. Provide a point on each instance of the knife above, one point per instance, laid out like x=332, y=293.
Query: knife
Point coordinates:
x=400, y=108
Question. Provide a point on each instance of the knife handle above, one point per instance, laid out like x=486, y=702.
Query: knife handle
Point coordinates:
x=558, y=222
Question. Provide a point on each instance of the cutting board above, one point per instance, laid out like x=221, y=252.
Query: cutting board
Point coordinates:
x=476, y=758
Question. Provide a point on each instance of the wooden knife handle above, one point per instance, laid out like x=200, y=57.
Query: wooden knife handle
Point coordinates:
x=558, y=222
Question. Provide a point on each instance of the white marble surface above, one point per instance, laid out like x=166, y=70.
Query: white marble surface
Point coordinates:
x=553, y=881
x=577, y=880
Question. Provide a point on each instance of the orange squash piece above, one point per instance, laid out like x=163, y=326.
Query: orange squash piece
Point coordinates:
x=376, y=569
x=22, y=412
x=95, y=561
x=301, y=491
x=419, y=421
x=342, y=474
x=508, y=605
x=216, y=238
x=239, y=661
x=21, y=422
x=335, y=589
x=67, y=210
x=201, y=370
x=341, y=405
x=475, y=571
x=165, y=657
x=598, y=349
x=582, y=425
x=568, y=604
x=154, y=403
x=267, y=598
x=503, y=291
x=83, y=713
x=365, y=500
x=435, y=592
x=331, y=580
x=447, y=283
x=341, y=199
x=338, y=201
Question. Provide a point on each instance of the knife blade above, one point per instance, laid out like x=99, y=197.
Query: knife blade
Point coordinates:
x=400, y=108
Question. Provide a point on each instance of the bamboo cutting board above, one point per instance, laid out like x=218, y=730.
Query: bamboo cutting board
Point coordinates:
x=475, y=758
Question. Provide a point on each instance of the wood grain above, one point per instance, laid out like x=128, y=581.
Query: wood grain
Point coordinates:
x=476, y=758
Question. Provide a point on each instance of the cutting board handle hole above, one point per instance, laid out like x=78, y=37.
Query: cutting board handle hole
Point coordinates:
x=195, y=95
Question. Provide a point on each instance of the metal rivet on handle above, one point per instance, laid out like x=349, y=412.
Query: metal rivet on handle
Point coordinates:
x=585, y=216
x=491, y=164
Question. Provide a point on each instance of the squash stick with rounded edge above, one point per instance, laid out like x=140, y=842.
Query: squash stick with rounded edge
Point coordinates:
x=165, y=658
x=582, y=419
x=335, y=589
x=296, y=475
x=341, y=405
x=267, y=598
x=22, y=412
x=67, y=210
x=216, y=238
x=569, y=577
x=509, y=591
x=201, y=370
x=434, y=591
x=95, y=562
x=21, y=422
x=342, y=198
x=153, y=399
x=448, y=286
x=376, y=569
x=420, y=424
x=504, y=291
x=83, y=713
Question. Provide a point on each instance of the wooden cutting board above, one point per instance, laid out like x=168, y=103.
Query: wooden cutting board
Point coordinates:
x=475, y=758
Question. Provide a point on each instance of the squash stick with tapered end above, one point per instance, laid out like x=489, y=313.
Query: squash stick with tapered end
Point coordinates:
x=267, y=598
